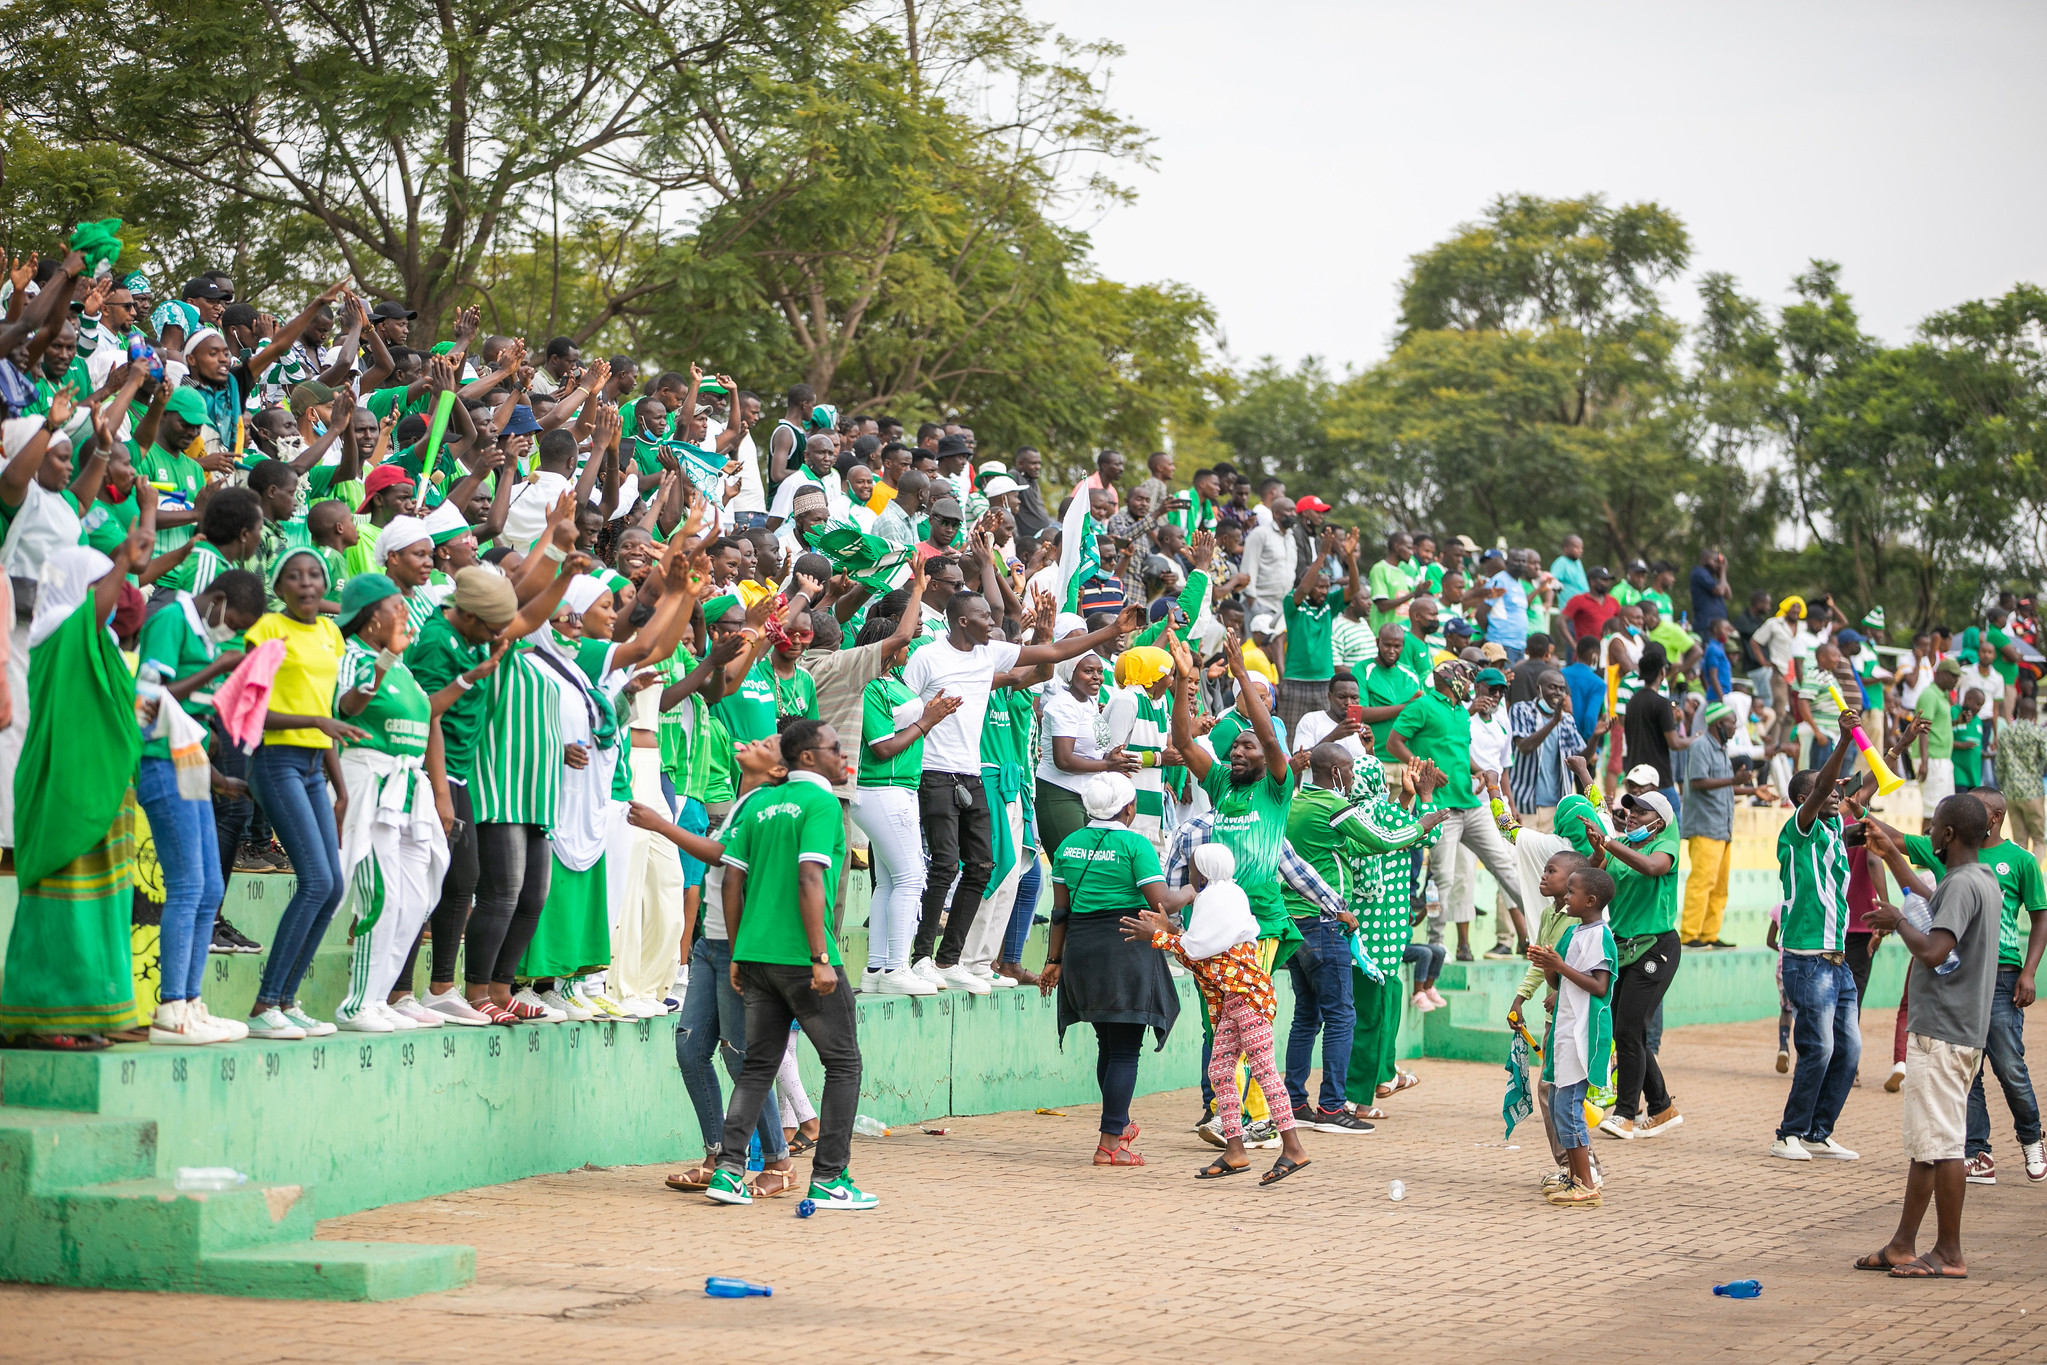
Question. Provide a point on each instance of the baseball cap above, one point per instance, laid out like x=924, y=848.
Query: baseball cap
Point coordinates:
x=1310, y=503
x=1645, y=774
x=1265, y=624
x=1457, y=626
x=999, y=485
x=389, y=310
x=361, y=592
x=187, y=403
x=1649, y=801
x=1492, y=677
x=382, y=477
x=200, y=287
x=1848, y=637
x=1600, y=571
x=1638, y=566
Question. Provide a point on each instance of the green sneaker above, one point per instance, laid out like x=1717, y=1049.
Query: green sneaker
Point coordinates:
x=841, y=1194
x=728, y=1187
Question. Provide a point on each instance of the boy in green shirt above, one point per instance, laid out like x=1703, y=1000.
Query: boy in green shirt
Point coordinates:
x=1968, y=740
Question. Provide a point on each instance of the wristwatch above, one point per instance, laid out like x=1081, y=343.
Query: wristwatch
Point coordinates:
x=821, y=959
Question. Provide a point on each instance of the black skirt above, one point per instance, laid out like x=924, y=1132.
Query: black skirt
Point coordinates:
x=1105, y=978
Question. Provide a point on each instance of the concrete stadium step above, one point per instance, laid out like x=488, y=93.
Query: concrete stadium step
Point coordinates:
x=148, y=1234
x=356, y=1271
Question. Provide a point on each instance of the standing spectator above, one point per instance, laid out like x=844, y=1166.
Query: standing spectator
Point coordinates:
x=1587, y=684
x=1650, y=728
x=1707, y=823
x=1644, y=917
x=1308, y=611
x=1525, y=678
x=1568, y=568
x=1548, y=750
x=1937, y=739
x=1507, y=621
x=1586, y=615
x=2003, y=658
x=1710, y=593
x=1753, y=666
x=1270, y=560
x=1392, y=586
x=2021, y=764
x=1716, y=668
x=1773, y=647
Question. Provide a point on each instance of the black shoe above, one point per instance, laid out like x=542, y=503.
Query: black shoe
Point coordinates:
x=239, y=942
x=1334, y=1121
x=1720, y=943
x=1500, y=950
x=249, y=858
x=223, y=942
x=279, y=859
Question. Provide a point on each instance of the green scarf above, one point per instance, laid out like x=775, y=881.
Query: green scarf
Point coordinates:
x=82, y=709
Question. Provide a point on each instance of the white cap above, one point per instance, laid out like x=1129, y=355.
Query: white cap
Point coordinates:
x=1265, y=624
x=1645, y=775
x=998, y=485
x=1653, y=801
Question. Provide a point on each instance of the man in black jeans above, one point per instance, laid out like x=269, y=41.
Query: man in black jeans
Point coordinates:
x=789, y=848
x=958, y=827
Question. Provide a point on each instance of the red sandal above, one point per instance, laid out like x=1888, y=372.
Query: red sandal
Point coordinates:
x=1119, y=1155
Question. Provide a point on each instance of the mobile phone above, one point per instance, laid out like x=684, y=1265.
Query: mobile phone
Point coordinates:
x=1354, y=714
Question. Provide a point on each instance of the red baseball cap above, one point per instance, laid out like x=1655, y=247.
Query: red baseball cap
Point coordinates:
x=382, y=477
x=1310, y=503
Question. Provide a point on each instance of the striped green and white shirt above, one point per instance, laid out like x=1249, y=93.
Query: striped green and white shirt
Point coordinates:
x=420, y=606
x=1812, y=870
x=517, y=777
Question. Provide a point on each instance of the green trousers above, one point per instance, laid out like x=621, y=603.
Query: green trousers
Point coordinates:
x=1378, y=1031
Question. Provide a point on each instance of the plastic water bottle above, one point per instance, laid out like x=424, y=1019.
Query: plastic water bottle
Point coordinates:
x=725, y=1287
x=1739, y=1289
x=193, y=1178
x=1396, y=1191
x=805, y=1207
x=753, y=1152
x=1917, y=910
x=869, y=1127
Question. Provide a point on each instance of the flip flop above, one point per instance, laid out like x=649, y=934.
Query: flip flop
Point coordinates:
x=1875, y=1261
x=1925, y=1269
x=1372, y=1112
x=1281, y=1169
x=1218, y=1168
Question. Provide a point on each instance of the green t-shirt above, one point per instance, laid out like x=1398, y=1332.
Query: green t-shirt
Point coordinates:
x=1812, y=872
x=383, y=401
x=1662, y=601
x=886, y=707
x=749, y=715
x=398, y=716
x=1325, y=829
x=178, y=651
x=1933, y=705
x=1382, y=686
x=1309, y=657
x=172, y=473
x=798, y=823
x=1386, y=582
x=2018, y=878
x=433, y=660
x=105, y=524
x=1103, y=868
x=1968, y=749
x=1626, y=593
x=1644, y=904
x=1438, y=729
x=1251, y=822
x=1417, y=656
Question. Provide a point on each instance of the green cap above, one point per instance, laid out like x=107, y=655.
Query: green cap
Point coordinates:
x=361, y=593
x=1715, y=712
x=187, y=403
x=443, y=347
x=1492, y=677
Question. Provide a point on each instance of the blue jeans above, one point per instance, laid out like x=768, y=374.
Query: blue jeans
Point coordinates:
x=1026, y=908
x=192, y=887
x=1829, y=1041
x=1822, y=749
x=1322, y=1004
x=1567, y=1115
x=1426, y=959
x=2005, y=1051
x=290, y=782
x=712, y=1012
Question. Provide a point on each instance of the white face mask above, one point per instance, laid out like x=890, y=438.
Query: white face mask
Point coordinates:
x=219, y=632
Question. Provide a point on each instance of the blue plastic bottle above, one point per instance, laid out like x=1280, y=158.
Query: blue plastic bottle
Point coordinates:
x=725, y=1287
x=753, y=1152
x=805, y=1207
x=1739, y=1289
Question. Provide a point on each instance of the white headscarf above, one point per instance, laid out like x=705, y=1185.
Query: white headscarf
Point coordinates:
x=583, y=589
x=400, y=534
x=17, y=432
x=1220, y=917
x=1106, y=794
x=203, y=334
x=67, y=580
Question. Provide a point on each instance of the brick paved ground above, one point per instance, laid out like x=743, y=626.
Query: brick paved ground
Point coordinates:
x=1000, y=1242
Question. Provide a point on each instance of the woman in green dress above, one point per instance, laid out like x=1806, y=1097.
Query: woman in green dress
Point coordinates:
x=69, y=980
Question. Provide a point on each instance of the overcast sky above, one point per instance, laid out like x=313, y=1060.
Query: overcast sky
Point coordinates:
x=1307, y=148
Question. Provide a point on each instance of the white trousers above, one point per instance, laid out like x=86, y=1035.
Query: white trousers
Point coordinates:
x=796, y=1106
x=647, y=930
x=991, y=925
x=889, y=818
x=1471, y=829
x=411, y=885
x=16, y=733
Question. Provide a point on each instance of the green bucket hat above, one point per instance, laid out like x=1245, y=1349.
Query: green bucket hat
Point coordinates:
x=361, y=593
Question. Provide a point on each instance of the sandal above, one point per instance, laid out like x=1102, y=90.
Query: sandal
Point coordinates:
x=797, y=1143
x=1119, y=1155
x=1218, y=1168
x=493, y=1011
x=1926, y=1268
x=1875, y=1261
x=696, y=1179
x=1281, y=1169
x=1371, y=1112
x=62, y=1042
x=1405, y=1080
x=782, y=1183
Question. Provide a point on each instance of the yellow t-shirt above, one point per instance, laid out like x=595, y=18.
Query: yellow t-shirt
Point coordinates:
x=880, y=498
x=304, y=685
x=1256, y=662
x=751, y=592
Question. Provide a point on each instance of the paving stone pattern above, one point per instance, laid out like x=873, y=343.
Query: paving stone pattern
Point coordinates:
x=1000, y=1242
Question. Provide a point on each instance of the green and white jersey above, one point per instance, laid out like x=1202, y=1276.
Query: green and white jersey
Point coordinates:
x=796, y=823
x=421, y=606
x=398, y=717
x=177, y=474
x=200, y=568
x=1143, y=727
x=1812, y=871
x=885, y=708
x=2018, y=880
x=517, y=776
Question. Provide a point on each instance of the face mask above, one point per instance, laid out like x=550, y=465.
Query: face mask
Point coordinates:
x=1637, y=836
x=219, y=632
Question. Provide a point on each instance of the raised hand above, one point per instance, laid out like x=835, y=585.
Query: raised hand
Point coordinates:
x=21, y=272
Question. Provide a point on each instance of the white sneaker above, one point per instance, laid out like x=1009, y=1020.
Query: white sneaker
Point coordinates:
x=173, y=1026
x=1831, y=1150
x=1790, y=1148
x=409, y=1006
x=904, y=982
x=928, y=969
x=995, y=979
x=552, y=1014
x=640, y=1007
x=2036, y=1162
x=568, y=1008
x=1613, y=1125
x=274, y=1023
x=315, y=1028
x=397, y=1021
x=453, y=1008
x=231, y=1030
x=964, y=979
x=606, y=1010
x=369, y=1019
x=870, y=981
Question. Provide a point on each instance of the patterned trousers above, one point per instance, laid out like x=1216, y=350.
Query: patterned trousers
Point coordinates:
x=1242, y=1030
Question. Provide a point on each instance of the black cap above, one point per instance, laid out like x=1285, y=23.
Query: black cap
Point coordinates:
x=388, y=310
x=1637, y=566
x=203, y=288
x=1599, y=571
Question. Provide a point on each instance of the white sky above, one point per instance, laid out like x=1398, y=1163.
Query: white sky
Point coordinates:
x=1307, y=148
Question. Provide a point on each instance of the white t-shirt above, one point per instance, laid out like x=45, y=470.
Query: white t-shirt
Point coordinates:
x=526, y=514
x=954, y=744
x=834, y=494
x=1574, y=1005
x=1975, y=677
x=44, y=524
x=1068, y=717
x=1914, y=676
x=1316, y=726
x=1492, y=743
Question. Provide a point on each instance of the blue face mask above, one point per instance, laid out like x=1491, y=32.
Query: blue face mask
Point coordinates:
x=1637, y=836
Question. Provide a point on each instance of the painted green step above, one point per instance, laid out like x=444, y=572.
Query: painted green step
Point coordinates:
x=356, y=1271
x=147, y=1234
x=43, y=1150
